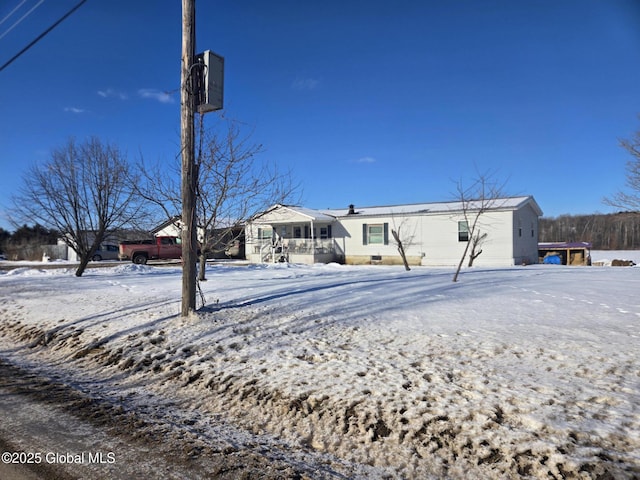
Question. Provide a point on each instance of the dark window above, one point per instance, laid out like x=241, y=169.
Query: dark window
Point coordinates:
x=463, y=231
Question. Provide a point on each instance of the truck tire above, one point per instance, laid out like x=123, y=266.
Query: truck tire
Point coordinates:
x=139, y=259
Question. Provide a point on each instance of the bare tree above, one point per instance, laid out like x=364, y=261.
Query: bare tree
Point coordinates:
x=476, y=246
x=483, y=194
x=402, y=241
x=629, y=199
x=83, y=191
x=159, y=186
x=233, y=184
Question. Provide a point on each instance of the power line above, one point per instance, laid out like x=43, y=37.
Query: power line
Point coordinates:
x=12, y=11
x=22, y=18
x=39, y=37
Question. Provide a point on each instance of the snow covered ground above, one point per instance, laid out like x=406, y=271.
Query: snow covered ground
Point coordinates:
x=511, y=372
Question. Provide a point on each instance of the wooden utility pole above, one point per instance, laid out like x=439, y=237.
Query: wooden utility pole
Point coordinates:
x=188, y=186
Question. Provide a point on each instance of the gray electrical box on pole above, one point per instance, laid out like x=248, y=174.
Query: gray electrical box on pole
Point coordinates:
x=211, y=81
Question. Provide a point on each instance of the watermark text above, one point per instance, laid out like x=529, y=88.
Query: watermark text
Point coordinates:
x=76, y=458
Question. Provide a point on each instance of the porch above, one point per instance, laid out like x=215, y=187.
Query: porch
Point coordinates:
x=295, y=250
x=291, y=234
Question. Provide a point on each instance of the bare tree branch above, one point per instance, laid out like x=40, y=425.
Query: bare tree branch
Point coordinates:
x=402, y=240
x=483, y=194
x=83, y=191
x=399, y=244
x=629, y=199
x=233, y=184
x=476, y=246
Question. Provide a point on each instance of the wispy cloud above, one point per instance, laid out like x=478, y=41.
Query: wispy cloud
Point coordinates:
x=305, y=83
x=152, y=93
x=74, y=110
x=365, y=160
x=112, y=93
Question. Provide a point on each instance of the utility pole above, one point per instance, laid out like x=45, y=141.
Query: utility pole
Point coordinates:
x=188, y=185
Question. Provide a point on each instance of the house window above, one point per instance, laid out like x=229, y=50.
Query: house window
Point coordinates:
x=265, y=233
x=375, y=233
x=325, y=232
x=297, y=232
x=283, y=232
x=463, y=231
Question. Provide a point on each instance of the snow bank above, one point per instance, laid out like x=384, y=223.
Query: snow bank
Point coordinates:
x=605, y=257
x=525, y=371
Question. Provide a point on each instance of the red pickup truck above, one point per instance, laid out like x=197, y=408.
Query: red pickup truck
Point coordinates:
x=160, y=248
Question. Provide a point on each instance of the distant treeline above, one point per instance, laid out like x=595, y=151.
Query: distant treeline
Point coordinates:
x=616, y=231
x=26, y=243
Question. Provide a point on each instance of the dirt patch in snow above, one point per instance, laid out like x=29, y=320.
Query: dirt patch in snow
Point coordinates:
x=144, y=446
x=442, y=421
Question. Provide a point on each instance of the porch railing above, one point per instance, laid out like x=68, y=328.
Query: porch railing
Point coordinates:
x=308, y=246
x=299, y=246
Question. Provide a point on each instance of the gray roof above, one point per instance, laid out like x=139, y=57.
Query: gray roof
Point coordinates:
x=328, y=215
x=315, y=215
x=508, y=203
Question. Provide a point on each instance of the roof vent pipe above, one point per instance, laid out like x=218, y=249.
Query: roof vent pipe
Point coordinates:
x=352, y=209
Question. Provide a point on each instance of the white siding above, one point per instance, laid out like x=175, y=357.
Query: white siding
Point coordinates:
x=280, y=215
x=525, y=236
x=442, y=247
x=171, y=230
x=429, y=235
x=433, y=238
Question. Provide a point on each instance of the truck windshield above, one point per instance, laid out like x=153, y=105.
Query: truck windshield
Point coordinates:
x=170, y=241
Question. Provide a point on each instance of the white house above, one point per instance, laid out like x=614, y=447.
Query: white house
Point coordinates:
x=433, y=234
x=172, y=228
x=229, y=239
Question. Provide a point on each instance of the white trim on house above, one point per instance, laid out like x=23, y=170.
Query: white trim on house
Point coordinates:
x=285, y=214
x=429, y=231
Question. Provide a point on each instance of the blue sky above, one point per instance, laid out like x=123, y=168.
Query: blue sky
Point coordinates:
x=368, y=102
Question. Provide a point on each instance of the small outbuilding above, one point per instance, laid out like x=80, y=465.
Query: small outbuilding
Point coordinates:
x=564, y=253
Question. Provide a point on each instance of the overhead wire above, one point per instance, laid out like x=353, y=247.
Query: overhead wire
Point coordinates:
x=39, y=37
x=21, y=19
x=12, y=11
